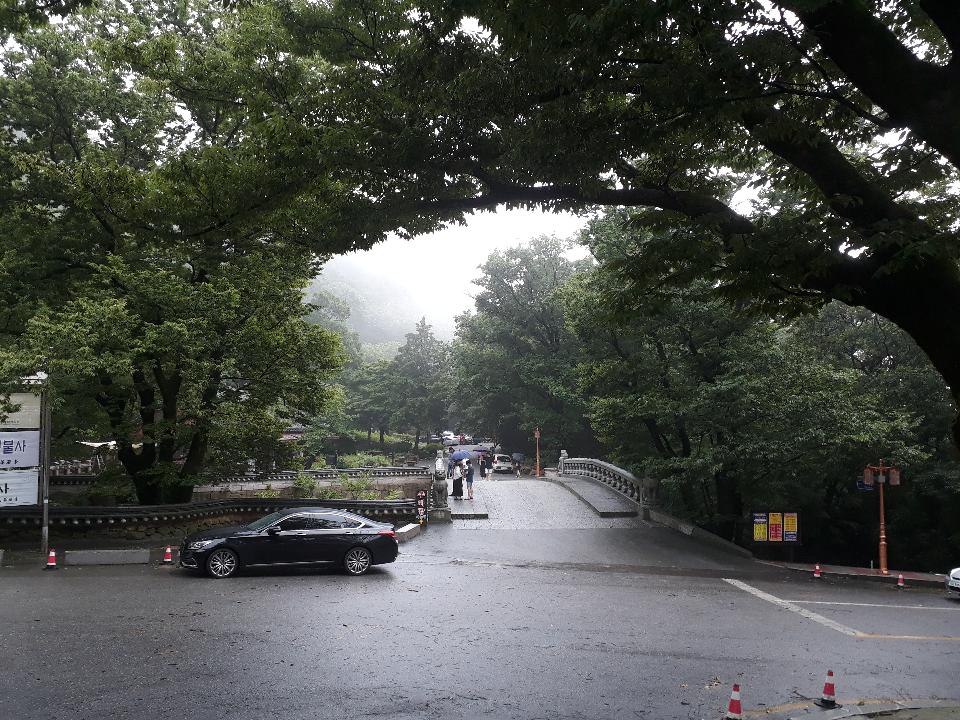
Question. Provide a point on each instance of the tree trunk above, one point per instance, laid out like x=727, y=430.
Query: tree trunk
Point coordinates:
x=381, y=436
x=729, y=504
x=416, y=439
x=369, y=434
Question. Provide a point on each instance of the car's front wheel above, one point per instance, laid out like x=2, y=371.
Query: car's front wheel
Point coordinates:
x=357, y=561
x=222, y=563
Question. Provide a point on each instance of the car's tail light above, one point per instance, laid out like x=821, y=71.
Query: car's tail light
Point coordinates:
x=388, y=533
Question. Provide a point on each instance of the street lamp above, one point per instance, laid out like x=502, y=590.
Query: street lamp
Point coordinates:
x=536, y=469
x=882, y=474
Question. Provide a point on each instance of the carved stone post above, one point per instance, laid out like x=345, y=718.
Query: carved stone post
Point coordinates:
x=440, y=511
x=563, y=457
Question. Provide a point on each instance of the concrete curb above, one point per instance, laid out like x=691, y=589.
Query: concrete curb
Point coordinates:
x=874, y=710
x=408, y=532
x=662, y=518
x=133, y=556
x=881, y=579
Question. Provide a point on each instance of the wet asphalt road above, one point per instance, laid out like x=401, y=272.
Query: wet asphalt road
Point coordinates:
x=588, y=621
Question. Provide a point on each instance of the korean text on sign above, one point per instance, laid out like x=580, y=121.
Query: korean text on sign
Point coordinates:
x=776, y=527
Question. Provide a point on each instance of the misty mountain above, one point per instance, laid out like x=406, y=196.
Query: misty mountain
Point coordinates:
x=382, y=306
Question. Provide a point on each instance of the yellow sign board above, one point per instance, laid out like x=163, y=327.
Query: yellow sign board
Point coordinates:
x=759, y=527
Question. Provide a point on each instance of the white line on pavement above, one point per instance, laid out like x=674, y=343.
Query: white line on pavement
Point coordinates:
x=880, y=605
x=827, y=622
x=787, y=605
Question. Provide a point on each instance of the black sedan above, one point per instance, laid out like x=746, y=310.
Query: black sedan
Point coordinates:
x=294, y=537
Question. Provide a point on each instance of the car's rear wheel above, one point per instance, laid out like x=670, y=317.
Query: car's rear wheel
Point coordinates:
x=222, y=563
x=357, y=561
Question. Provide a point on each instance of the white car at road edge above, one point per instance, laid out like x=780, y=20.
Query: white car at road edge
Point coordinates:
x=953, y=582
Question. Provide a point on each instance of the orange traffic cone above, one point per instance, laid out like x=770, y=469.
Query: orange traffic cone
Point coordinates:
x=829, y=698
x=900, y=584
x=816, y=570
x=51, y=560
x=168, y=556
x=734, y=711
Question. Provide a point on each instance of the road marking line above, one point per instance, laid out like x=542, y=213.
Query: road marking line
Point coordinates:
x=786, y=605
x=880, y=605
x=827, y=622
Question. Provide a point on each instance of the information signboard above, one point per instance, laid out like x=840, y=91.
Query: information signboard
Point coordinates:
x=791, y=527
x=27, y=417
x=18, y=487
x=776, y=527
x=19, y=449
x=759, y=527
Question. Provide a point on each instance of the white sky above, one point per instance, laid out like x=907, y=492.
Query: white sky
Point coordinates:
x=429, y=263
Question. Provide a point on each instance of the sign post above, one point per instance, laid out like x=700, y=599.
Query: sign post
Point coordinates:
x=45, y=471
x=536, y=469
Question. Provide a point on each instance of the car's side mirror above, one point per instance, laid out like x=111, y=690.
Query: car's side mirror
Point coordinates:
x=273, y=530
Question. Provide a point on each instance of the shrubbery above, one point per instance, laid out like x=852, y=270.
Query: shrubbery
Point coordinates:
x=359, y=460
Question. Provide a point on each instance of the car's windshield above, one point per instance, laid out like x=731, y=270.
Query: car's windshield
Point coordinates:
x=266, y=520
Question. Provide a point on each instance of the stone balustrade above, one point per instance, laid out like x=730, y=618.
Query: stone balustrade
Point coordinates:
x=623, y=481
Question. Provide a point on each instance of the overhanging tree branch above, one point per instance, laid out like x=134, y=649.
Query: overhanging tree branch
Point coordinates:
x=913, y=92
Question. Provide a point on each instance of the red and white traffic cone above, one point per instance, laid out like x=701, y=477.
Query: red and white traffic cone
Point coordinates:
x=51, y=560
x=734, y=711
x=829, y=698
x=167, y=556
x=816, y=570
x=900, y=585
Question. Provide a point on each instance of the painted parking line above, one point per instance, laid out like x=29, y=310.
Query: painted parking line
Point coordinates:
x=879, y=605
x=827, y=622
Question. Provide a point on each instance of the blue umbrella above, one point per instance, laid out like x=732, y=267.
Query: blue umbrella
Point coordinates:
x=460, y=455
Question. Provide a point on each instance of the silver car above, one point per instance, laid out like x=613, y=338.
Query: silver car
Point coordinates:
x=953, y=582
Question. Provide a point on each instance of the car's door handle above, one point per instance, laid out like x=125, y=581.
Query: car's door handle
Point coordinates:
x=299, y=533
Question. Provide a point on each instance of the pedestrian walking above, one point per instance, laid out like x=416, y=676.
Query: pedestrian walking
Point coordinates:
x=457, y=493
x=483, y=466
x=468, y=474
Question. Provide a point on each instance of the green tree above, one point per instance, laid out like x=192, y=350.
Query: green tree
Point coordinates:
x=674, y=109
x=515, y=356
x=150, y=259
x=732, y=411
x=422, y=373
x=372, y=397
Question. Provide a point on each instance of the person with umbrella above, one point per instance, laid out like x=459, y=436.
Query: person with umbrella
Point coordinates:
x=483, y=455
x=517, y=459
x=457, y=459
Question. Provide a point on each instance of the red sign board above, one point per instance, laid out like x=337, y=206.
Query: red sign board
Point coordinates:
x=776, y=527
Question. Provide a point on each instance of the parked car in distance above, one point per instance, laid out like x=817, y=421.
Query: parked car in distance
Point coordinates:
x=502, y=463
x=293, y=537
x=953, y=582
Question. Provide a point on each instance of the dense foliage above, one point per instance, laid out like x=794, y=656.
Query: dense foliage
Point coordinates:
x=728, y=410
x=149, y=262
